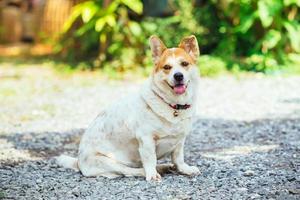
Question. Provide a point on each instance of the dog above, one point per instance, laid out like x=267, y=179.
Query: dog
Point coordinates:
x=127, y=138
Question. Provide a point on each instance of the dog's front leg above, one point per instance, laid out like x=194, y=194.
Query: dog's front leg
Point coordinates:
x=148, y=156
x=178, y=160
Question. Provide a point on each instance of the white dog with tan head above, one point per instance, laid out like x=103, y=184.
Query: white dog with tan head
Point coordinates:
x=129, y=137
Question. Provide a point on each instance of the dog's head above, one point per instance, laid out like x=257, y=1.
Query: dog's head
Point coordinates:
x=174, y=67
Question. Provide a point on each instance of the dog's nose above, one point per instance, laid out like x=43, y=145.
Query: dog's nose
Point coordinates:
x=178, y=76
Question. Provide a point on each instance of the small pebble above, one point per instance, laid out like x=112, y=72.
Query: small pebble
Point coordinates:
x=248, y=173
x=255, y=196
x=294, y=191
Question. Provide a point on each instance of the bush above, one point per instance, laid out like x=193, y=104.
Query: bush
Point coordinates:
x=249, y=35
x=210, y=65
x=103, y=33
x=259, y=34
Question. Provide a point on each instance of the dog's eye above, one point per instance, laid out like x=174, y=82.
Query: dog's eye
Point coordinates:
x=184, y=63
x=167, y=67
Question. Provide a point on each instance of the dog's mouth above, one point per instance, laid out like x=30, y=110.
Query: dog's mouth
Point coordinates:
x=178, y=88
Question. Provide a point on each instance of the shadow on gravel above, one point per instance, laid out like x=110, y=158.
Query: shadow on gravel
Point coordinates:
x=47, y=144
x=208, y=137
x=238, y=159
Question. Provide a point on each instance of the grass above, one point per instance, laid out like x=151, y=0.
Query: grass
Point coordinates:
x=210, y=66
x=8, y=92
x=49, y=109
x=69, y=68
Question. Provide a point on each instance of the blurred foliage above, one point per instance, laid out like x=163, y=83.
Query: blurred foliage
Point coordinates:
x=250, y=35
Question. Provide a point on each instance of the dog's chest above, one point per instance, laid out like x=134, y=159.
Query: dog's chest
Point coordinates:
x=168, y=137
x=165, y=146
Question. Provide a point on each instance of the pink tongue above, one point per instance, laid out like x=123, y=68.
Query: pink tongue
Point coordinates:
x=179, y=89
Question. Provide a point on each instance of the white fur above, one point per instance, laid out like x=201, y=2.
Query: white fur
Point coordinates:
x=67, y=161
x=128, y=137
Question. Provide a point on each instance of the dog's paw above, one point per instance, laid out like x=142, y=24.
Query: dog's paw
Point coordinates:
x=188, y=170
x=153, y=177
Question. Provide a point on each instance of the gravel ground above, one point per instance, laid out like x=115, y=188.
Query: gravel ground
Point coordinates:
x=246, y=139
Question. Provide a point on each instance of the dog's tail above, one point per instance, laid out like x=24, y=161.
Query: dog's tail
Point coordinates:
x=67, y=162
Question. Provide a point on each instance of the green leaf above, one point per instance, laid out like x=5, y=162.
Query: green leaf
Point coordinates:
x=294, y=57
x=112, y=7
x=110, y=20
x=267, y=10
x=135, y=5
x=83, y=29
x=246, y=22
x=100, y=23
x=290, y=2
x=293, y=30
x=135, y=28
x=271, y=39
x=88, y=12
x=264, y=14
x=102, y=38
x=76, y=12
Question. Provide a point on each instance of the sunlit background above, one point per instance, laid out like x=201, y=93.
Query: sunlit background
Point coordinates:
x=112, y=35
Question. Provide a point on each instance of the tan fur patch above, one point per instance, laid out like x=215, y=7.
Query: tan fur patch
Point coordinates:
x=108, y=155
x=155, y=137
x=100, y=154
x=173, y=52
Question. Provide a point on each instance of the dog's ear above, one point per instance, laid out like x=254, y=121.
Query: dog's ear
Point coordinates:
x=190, y=45
x=157, y=48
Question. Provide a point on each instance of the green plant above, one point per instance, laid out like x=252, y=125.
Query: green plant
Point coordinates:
x=260, y=33
x=211, y=66
x=247, y=35
x=93, y=26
